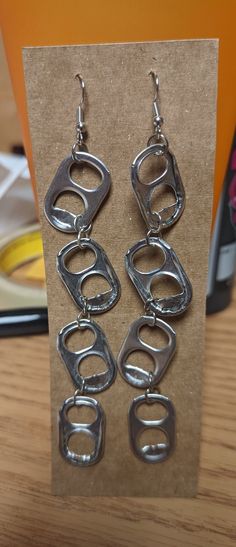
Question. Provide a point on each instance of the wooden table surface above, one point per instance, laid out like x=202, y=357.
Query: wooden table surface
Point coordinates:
x=30, y=516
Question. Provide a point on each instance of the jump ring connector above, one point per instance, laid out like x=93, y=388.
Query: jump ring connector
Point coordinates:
x=149, y=391
x=84, y=312
x=155, y=231
x=79, y=391
x=150, y=379
x=78, y=147
x=148, y=311
x=83, y=232
x=158, y=138
x=147, y=305
x=85, y=309
x=79, y=238
x=85, y=306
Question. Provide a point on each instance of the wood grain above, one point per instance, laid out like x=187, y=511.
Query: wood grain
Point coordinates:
x=30, y=516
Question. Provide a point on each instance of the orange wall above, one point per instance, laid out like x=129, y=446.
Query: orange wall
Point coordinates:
x=36, y=23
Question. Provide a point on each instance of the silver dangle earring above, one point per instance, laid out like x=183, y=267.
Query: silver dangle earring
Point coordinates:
x=81, y=225
x=155, y=308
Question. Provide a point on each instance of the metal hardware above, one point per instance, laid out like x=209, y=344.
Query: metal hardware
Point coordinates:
x=73, y=359
x=84, y=314
x=80, y=126
x=157, y=120
x=169, y=306
x=62, y=219
x=95, y=430
x=152, y=453
x=144, y=192
x=101, y=267
x=134, y=375
x=83, y=233
x=79, y=390
x=150, y=391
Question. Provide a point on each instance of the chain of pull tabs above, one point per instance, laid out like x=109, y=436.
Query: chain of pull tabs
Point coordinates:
x=155, y=308
x=68, y=222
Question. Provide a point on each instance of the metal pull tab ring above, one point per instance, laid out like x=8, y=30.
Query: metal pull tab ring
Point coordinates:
x=73, y=359
x=169, y=306
x=144, y=192
x=134, y=375
x=67, y=221
x=95, y=430
x=160, y=451
x=101, y=267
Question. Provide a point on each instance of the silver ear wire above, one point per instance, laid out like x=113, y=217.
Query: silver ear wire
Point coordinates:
x=80, y=125
x=157, y=119
x=82, y=85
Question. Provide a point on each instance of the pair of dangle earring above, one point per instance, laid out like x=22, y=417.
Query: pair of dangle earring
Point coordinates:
x=81, y=225
x=155, y=308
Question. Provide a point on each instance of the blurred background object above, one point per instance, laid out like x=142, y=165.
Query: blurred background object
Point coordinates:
x=16, y=195
x=22, y=277
x=222, y=257
x=10, y=128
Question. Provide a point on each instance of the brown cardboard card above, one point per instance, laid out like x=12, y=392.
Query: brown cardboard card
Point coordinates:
x=119, y=121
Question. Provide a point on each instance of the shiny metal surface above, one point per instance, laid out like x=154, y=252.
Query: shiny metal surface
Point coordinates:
x=73, y=359
x=134, y=375
x=74, y=281
x=157, y=118
x=80, y=125
x=152, y=453
x=67, y=221
x=165, y=217
x=171, y=305
x=95, y=430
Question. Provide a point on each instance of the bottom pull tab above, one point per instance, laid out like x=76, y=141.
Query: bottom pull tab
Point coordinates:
x=152, y=453
x=94, y=430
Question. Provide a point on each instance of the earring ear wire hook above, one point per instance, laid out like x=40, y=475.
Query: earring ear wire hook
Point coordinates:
x=157, y=119
x=155, y=80
x=80, y=125
x=82, y=85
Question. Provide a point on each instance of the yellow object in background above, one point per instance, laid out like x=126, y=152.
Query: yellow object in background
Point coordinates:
x=56, y=22
x=20, y=249
x=36, y=270
x=22, y=275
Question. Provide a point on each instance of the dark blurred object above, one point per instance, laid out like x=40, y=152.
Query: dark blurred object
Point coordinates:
x=18, y=149
x=23, y=322
x=222, y=263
